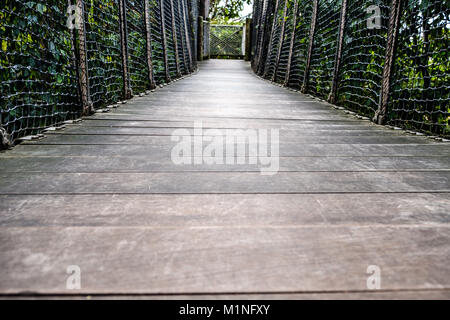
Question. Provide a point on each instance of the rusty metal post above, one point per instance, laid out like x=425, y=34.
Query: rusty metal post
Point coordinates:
x=280, y=44
x=124, y=49
x=175, y=38
x=164, y=41
x=311, y=44
x=201, y=39
x=83, y=78
x=272, y=32
x=340, y=44
x=394, y=23
x=188, y=40
x=148, y=39
x=291, y=45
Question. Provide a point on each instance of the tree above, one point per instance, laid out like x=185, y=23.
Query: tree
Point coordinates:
x=226, y=11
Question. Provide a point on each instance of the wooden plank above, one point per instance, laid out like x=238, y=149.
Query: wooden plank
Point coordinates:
x=147, y=140
x=159, y=146
x=157, y=162
x=217, y=115
x=223, y=260
x=225, y=210
x=433, y=294
x=290, y=134
x=223, y=182
x=284, y=125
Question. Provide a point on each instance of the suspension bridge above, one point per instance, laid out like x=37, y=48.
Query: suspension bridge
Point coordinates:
x=92, y=203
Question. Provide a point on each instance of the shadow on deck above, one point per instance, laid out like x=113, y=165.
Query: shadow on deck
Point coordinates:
x=105, y=195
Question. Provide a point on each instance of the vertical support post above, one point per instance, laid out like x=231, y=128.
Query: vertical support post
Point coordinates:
x=337, y=62
x=291, y=45
x=248, y=39
x=73, y=44
x=200, y=39
x=148, y=39
x=175, y=38
x=261, y=34
x=272, y=32
x=206, y=35
x=188, y=40
x=124, y=49
x=83, y=65
x=394, y=23
x=164, y=41
x=280, y=44
x=311, y=44
x=182, y=33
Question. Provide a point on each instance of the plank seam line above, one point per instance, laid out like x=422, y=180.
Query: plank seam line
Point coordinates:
x=120, y=171
x=223, y=193
x=241, y=118
x=209, y=117
x=425, y=225
x=21, y=156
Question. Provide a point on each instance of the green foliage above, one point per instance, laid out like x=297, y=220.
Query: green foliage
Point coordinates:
x=227, y=11
x=39, y=53
x=38, y=77
x=103, y=51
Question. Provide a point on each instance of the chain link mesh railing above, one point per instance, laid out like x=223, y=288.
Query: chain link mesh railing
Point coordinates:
x=137, y=45
x=103, y=51
x=62, y=59
x=37, y=68
x=420, y=94
x=385, y=59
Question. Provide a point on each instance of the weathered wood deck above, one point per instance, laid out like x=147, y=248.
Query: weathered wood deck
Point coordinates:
x=105, y=195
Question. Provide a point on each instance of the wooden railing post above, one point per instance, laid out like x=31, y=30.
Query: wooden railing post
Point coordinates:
x=148, y=39
x=182, y=33
x=188, y=40
x=200, y=42
x=248, y=40
x=272, y=32
x=260, y=35
x=291, y=45
x=83, y=80
x=124, y=49
x=337, y=62
x=311, y=44
x=280, y=44
x=266, y=32
x=394, y=23
x=175, y=38
x=164, y=41
x=206, y=39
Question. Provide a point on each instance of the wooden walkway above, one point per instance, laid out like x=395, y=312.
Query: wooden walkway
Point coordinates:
x=104, y=195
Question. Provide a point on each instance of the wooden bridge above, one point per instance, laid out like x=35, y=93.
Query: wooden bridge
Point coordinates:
x=104, y=195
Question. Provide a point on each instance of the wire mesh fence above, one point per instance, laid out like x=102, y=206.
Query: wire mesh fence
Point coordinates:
x=103, y=51
x=385, y=59
x=226, y=40
x=62, y=59
x=37, y=68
